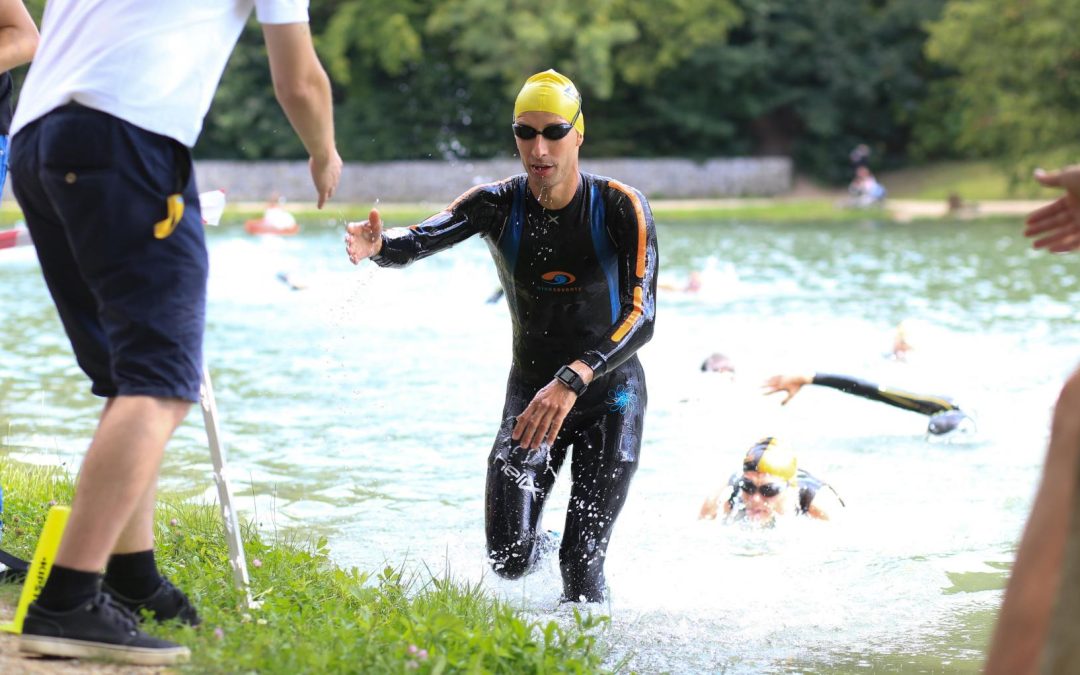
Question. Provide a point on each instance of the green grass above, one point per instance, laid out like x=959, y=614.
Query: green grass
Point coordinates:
x=684, y=211
x=315, y=617
x=971, y=180
x=778, y=211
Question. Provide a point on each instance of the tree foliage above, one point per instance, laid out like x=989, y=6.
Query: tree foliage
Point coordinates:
x=693, y=78
x=1014, y=92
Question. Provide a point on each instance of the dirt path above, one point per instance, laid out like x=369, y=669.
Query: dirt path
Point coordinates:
x=11, y=661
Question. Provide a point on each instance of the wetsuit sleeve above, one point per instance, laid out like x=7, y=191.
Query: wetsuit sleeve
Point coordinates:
x=630, y=224
x=473, y=212
x=927, y=405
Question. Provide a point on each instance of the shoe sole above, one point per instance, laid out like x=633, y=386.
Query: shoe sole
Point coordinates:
x=83, y=649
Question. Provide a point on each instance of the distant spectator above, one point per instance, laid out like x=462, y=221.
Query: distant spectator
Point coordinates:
x=865, y=190
x=718, y=363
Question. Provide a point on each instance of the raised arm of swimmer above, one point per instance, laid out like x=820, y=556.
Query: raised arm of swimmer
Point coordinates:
x=364, y=239
x=920, y=403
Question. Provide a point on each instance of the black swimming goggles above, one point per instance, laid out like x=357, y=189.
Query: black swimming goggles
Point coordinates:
x=552, y=132
x=767, y=490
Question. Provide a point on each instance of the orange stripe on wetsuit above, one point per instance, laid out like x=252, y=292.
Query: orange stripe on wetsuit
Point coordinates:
x=639, y=269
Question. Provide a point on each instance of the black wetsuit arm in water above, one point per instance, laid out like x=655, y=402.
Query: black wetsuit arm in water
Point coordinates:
x=629, y=225
x=473, y=212
x=926, y=405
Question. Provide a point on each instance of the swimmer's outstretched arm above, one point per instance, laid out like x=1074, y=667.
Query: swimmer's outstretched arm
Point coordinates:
x=469, y=214
x=924, y=404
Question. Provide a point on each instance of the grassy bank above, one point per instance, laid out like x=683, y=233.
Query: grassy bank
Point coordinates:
x=982, y=182
x=704, y=210
x=314, y=616
x=971, y=181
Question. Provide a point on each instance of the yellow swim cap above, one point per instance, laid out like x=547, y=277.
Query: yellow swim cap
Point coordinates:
x=771, y=456
x=553, y=93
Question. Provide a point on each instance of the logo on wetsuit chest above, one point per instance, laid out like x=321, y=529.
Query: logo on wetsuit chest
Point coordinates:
x=557, y=281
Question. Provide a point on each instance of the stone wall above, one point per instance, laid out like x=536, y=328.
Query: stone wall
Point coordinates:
x=437, y=181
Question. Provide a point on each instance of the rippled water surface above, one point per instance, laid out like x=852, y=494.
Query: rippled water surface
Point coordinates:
x=363, y=408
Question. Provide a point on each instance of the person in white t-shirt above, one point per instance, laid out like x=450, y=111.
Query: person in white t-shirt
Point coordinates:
x=101, y=166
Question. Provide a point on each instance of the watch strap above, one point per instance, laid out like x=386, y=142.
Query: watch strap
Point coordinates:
x=571, y=379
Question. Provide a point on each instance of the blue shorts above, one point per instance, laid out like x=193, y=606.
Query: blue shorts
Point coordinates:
x=130, y=290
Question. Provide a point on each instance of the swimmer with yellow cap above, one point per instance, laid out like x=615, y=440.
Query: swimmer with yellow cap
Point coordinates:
x=771, y=485
x=549, y=128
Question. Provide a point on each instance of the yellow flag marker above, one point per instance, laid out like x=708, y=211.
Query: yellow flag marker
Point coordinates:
x=40, y=565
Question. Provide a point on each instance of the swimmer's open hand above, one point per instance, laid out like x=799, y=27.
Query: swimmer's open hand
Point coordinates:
x=1057, y=225
x=364, y=239
x=789, y=383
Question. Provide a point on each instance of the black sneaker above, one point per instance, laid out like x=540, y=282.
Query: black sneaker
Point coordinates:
x=98, y=629
x=166, y=603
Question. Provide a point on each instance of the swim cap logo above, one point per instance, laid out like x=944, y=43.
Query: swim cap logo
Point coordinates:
x=557, y=278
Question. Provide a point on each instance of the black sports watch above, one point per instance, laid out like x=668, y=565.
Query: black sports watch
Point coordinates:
x=571, y=379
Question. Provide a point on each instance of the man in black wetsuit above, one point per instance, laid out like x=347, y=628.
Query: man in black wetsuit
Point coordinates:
x=944, y=413
x=576, y=255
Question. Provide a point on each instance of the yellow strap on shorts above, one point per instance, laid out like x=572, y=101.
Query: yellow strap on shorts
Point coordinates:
x=175, y=205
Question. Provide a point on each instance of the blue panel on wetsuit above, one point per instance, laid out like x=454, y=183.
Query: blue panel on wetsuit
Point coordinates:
x=604, y=249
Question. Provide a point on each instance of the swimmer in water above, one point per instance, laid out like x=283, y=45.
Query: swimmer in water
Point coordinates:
x=771, y=485
x=944, y=413
x=718, y=363
x=576, y=254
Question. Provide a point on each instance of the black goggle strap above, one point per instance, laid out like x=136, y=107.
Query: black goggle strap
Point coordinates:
x=577, y=114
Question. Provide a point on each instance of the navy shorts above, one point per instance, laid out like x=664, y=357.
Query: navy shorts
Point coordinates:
x=129, y=286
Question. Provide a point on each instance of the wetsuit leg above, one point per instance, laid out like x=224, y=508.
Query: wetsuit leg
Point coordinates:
x=518, y=483
x=605, y=457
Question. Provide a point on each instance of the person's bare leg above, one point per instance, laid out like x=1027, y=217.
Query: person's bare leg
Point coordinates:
x=1024, y=620
x=138, y=535
x=113, y=502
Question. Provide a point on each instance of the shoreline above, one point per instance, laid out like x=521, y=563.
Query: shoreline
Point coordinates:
x=799, y=206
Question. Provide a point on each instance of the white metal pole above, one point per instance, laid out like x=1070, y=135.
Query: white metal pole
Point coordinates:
x=228, y=511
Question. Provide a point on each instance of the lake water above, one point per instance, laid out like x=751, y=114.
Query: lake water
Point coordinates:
x=363, y=408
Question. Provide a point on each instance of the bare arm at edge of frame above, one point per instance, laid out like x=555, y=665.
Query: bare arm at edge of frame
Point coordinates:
x=303, y=90
x=18, y=35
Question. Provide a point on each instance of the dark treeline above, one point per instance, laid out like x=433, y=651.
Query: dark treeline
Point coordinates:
x=914, y=79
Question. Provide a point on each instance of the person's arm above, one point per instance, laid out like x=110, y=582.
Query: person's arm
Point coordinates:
x=920, y=403
x=1057, y=225
x=469, y=214
x=710, y=508
x=1044, y=572
x=18, y=35
x=826, y=504
x=630, y=223
x=926, y=405
x=1037, y=576
x=303, y=90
